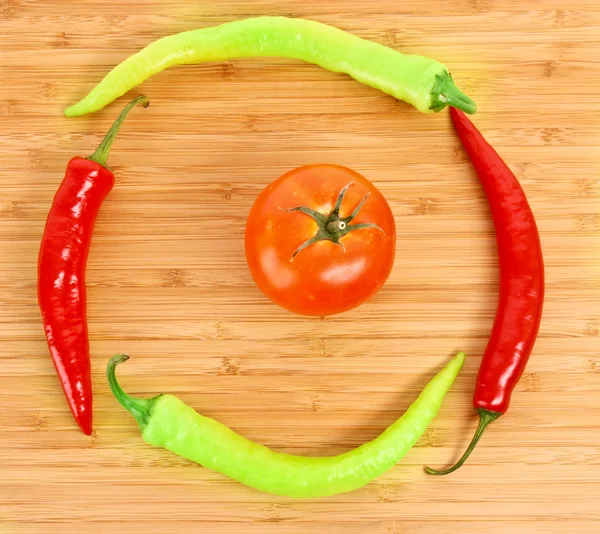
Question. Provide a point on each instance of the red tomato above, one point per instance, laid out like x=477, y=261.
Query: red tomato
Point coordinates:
x=320, y=240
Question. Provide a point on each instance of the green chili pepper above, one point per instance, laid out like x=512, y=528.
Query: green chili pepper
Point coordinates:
x=418, y=80
x=165, y=421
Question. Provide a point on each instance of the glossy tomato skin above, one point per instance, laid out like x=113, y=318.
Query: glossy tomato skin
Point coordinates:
x=324, y=278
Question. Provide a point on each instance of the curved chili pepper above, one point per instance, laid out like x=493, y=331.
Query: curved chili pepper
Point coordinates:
x=61, y=270
x=165, y=421
x=521, y=295
x=421, y=81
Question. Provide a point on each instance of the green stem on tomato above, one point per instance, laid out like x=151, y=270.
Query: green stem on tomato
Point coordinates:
x=332, y=227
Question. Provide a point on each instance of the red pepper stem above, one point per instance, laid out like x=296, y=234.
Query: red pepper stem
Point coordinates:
x=101, y=154
x=485, y=418
x=140, y=409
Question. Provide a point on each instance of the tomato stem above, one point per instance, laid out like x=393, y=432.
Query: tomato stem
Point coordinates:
x=332, y=227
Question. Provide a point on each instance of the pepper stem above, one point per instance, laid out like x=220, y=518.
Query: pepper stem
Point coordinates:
x=101, y=154
x=446, y=93
x=485, y=418
x=139, y=408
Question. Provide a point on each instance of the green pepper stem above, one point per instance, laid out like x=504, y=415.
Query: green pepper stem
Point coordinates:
x=140, y=409
x=101, y=154
x=446, y=93
x=485, y=418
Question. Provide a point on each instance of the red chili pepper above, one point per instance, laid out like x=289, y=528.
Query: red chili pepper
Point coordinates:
x=521, y=282
x=61, y=270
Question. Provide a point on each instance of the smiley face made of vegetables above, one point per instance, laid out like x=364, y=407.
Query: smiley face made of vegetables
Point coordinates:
x=320, y=240
x=362, y=219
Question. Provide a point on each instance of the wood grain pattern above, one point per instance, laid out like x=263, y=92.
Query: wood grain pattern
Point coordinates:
x=168, y=282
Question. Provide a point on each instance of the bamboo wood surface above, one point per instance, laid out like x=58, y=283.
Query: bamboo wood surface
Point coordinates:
x=168, y=284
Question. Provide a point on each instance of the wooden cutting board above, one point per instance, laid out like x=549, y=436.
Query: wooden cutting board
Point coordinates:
x=168, y=283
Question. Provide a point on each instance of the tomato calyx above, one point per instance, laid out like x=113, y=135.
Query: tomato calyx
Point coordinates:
x=332, y=227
